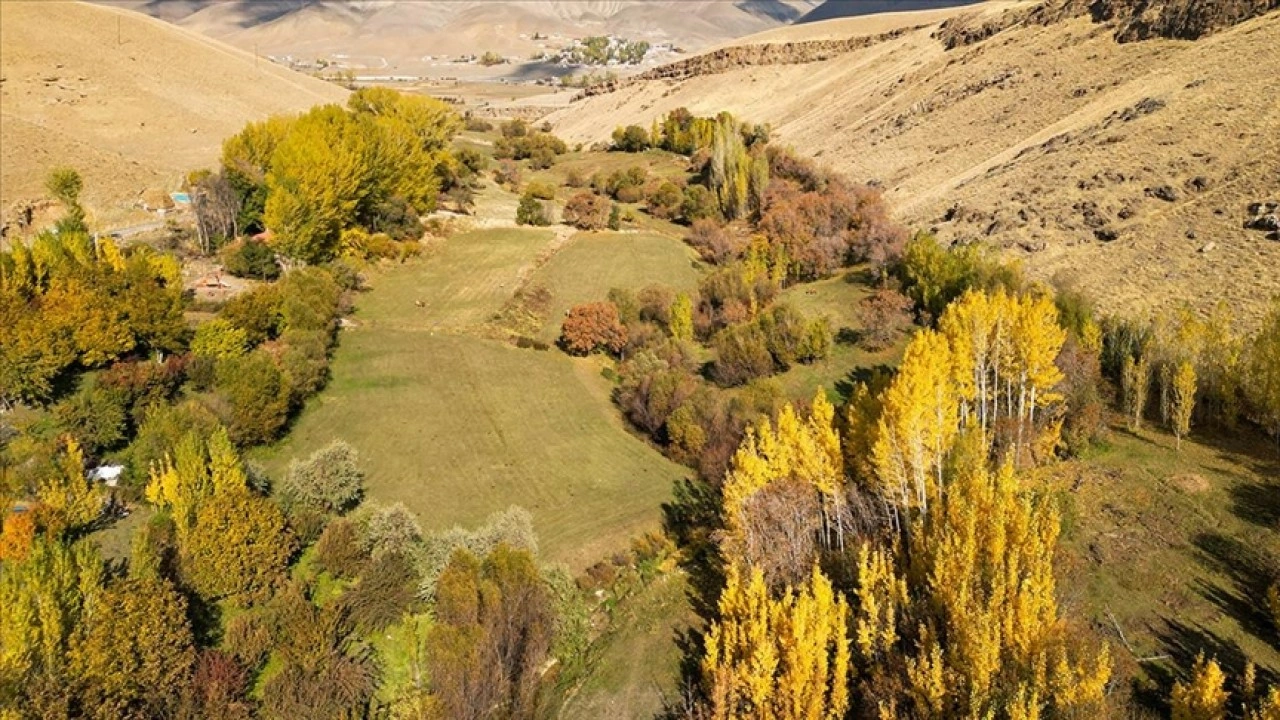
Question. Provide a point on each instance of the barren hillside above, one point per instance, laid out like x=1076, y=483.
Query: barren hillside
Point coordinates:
x=1127, y=168
x=395, y=35
x=130, y=101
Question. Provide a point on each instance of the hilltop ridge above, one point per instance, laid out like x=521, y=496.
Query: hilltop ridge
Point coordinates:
x=1126, y=168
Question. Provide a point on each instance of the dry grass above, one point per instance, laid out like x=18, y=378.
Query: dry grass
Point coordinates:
x=132, y=102
x=1028, y=133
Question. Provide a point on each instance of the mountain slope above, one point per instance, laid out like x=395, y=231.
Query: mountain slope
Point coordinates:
x=1124, y=168
x=395, y=34
x=130, y=101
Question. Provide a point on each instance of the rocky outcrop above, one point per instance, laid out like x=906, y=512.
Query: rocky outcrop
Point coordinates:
x=732, y=58
x=1175, y=19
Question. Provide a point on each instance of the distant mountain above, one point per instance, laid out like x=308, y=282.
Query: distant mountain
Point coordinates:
x=832, y=9
x=398, y=35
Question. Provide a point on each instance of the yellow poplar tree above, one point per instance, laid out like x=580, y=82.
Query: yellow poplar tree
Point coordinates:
x=918, y=421
x=1204, y=696
x=783, y=659
x=1183, y=401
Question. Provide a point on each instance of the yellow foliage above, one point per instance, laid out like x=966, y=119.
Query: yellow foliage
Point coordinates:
x=783, y=659
x=1204, y=697
x=68, y=499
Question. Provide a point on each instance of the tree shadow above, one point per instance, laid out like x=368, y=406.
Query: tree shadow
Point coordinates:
x=868, y=375
x=1184, y=643
x=692, y=520
x=1257, y=503
x=1250, y=572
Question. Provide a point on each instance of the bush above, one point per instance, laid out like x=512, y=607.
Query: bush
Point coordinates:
x=785, y=332
x=541, y=190
x=339, y=551
x=632, y=138
x=507, y=173
x=591, y=327
x=699, y=203
x=257, y=395
x=664, y=201
x=250, y=259
x=256, y=312
x=391, y=529
x=885, y=314
x=305, y=362
x=476, y=124
x=615, y=217
x=219, y=339
x=714, y=242
x=742, y=354
x=330, y=479
x=309, y=300
x=386, y=590
x=96, y=416
x=587, y=211
x=532, y=211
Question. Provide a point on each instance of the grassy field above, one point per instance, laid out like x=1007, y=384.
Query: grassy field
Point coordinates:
x=1178, y=547
x=837, y=298
x=457, y=426
x=593, y=263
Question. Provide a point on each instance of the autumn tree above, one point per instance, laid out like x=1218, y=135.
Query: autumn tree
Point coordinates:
x=69, y=500
x=591, y=327
x=44, y=600
x=777, y=658
x=587, y=211
x=1204, y=697
x=1262, y=374
x=219, y=339
x=493, y=630
x=1134, y=383
x=1184, y=400
x=136, y=649
x=231, y=541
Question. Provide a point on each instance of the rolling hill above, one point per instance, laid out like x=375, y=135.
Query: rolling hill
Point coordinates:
x=130, y=101
x=1126, y=168
x=396, y=36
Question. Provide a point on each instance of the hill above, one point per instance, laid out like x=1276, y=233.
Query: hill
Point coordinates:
x=130, y=101
x=395, y=36
x=1125, y=168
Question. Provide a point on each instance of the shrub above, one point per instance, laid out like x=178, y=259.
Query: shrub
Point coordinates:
x=386, y=590
x=615, y=217
x=575, y=179
x=664, y=201
x=699, y=203
x=632, y=138
x=330, y=479
x=591, y=327
x=257, y=394
x=714, y=242
x=532, y=211
x=339, y=550
x=742, y=354
x=785, y=332
x=256, y=312
x=507, y=173
x=491, y=58
x=541, y=190
x=587, y=211
x=885, y=314
x=626, y=185
x=305, y=362
x=390, y=529
x=396, y=218
x=219, y=339
x=250, y=259
x=96, y=416
x=477, y=124
x=309, y=300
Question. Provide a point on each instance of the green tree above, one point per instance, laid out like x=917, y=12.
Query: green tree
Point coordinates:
x=219, y=339
x=257, y=395
x=329, y=480
x=531, y=211
x=135, y=650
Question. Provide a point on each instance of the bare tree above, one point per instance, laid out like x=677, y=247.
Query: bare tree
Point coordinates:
x=217, y=210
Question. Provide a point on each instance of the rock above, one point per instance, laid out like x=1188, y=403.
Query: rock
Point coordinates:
x=1198, y=183
x=1265, y=223
x=1208, y=247
x=1033, y=246
x=1106, y=234
x=1163, y=192
x=1191, y=234
x=1126, y=212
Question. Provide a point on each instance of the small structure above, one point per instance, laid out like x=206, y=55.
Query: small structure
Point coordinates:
x=108, y=475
